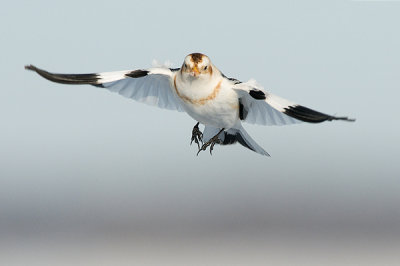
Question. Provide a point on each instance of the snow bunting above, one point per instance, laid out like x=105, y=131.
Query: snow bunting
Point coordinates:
x=200, y=89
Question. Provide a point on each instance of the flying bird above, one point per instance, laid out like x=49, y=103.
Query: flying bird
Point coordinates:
x=201, y=90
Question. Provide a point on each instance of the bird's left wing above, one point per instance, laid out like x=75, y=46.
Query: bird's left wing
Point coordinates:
x=260, y=107
x=151, y=86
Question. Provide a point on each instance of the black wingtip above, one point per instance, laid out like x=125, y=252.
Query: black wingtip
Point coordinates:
x=344, y=118
x=30, y=67
x=311, y=116
x=75, y=79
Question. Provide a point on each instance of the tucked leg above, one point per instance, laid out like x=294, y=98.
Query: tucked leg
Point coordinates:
x=211, y=143
x=197, y=136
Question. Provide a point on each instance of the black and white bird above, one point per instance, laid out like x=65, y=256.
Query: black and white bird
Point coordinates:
x=200, y=89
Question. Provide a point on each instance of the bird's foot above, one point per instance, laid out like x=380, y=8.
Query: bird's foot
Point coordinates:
x=214, y=140
x=197, y=135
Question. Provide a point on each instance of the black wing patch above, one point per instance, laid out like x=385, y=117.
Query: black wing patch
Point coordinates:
x=76, y=79
x=235, y=81
x=308, y=115
x=137, y=73
x=257, y=94
x=242, y=110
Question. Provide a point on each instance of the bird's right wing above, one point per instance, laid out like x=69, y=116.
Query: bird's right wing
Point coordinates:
x=260, y=107
x=151, y=86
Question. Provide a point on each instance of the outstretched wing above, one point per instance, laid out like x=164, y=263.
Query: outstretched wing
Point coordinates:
x=260, y=107
x=151, y=86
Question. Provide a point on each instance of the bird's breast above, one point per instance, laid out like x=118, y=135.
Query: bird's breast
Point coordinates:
x=197, y=92
x=214, y=103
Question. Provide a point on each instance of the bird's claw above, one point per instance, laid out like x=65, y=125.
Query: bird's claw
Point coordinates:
x=197, y=136
x=214, y=140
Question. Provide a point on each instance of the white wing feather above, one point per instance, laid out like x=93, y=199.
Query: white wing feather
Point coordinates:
x=151, y=86
x=267, y=109
x=264, y=112
x=152, y=89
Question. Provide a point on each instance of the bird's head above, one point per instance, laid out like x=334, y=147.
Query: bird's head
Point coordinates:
x=197, y=65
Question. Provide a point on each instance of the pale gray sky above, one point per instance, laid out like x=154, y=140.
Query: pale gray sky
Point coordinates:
x=78, y=159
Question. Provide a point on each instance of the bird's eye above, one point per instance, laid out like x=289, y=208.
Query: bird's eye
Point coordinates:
x=205, y=68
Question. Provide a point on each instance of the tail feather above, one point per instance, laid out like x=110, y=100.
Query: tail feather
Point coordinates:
x=232, y=136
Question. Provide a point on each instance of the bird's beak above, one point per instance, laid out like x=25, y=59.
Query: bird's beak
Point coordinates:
x=195, y=71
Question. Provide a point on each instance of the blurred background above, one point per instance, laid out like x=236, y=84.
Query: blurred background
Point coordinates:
x=88, y=177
